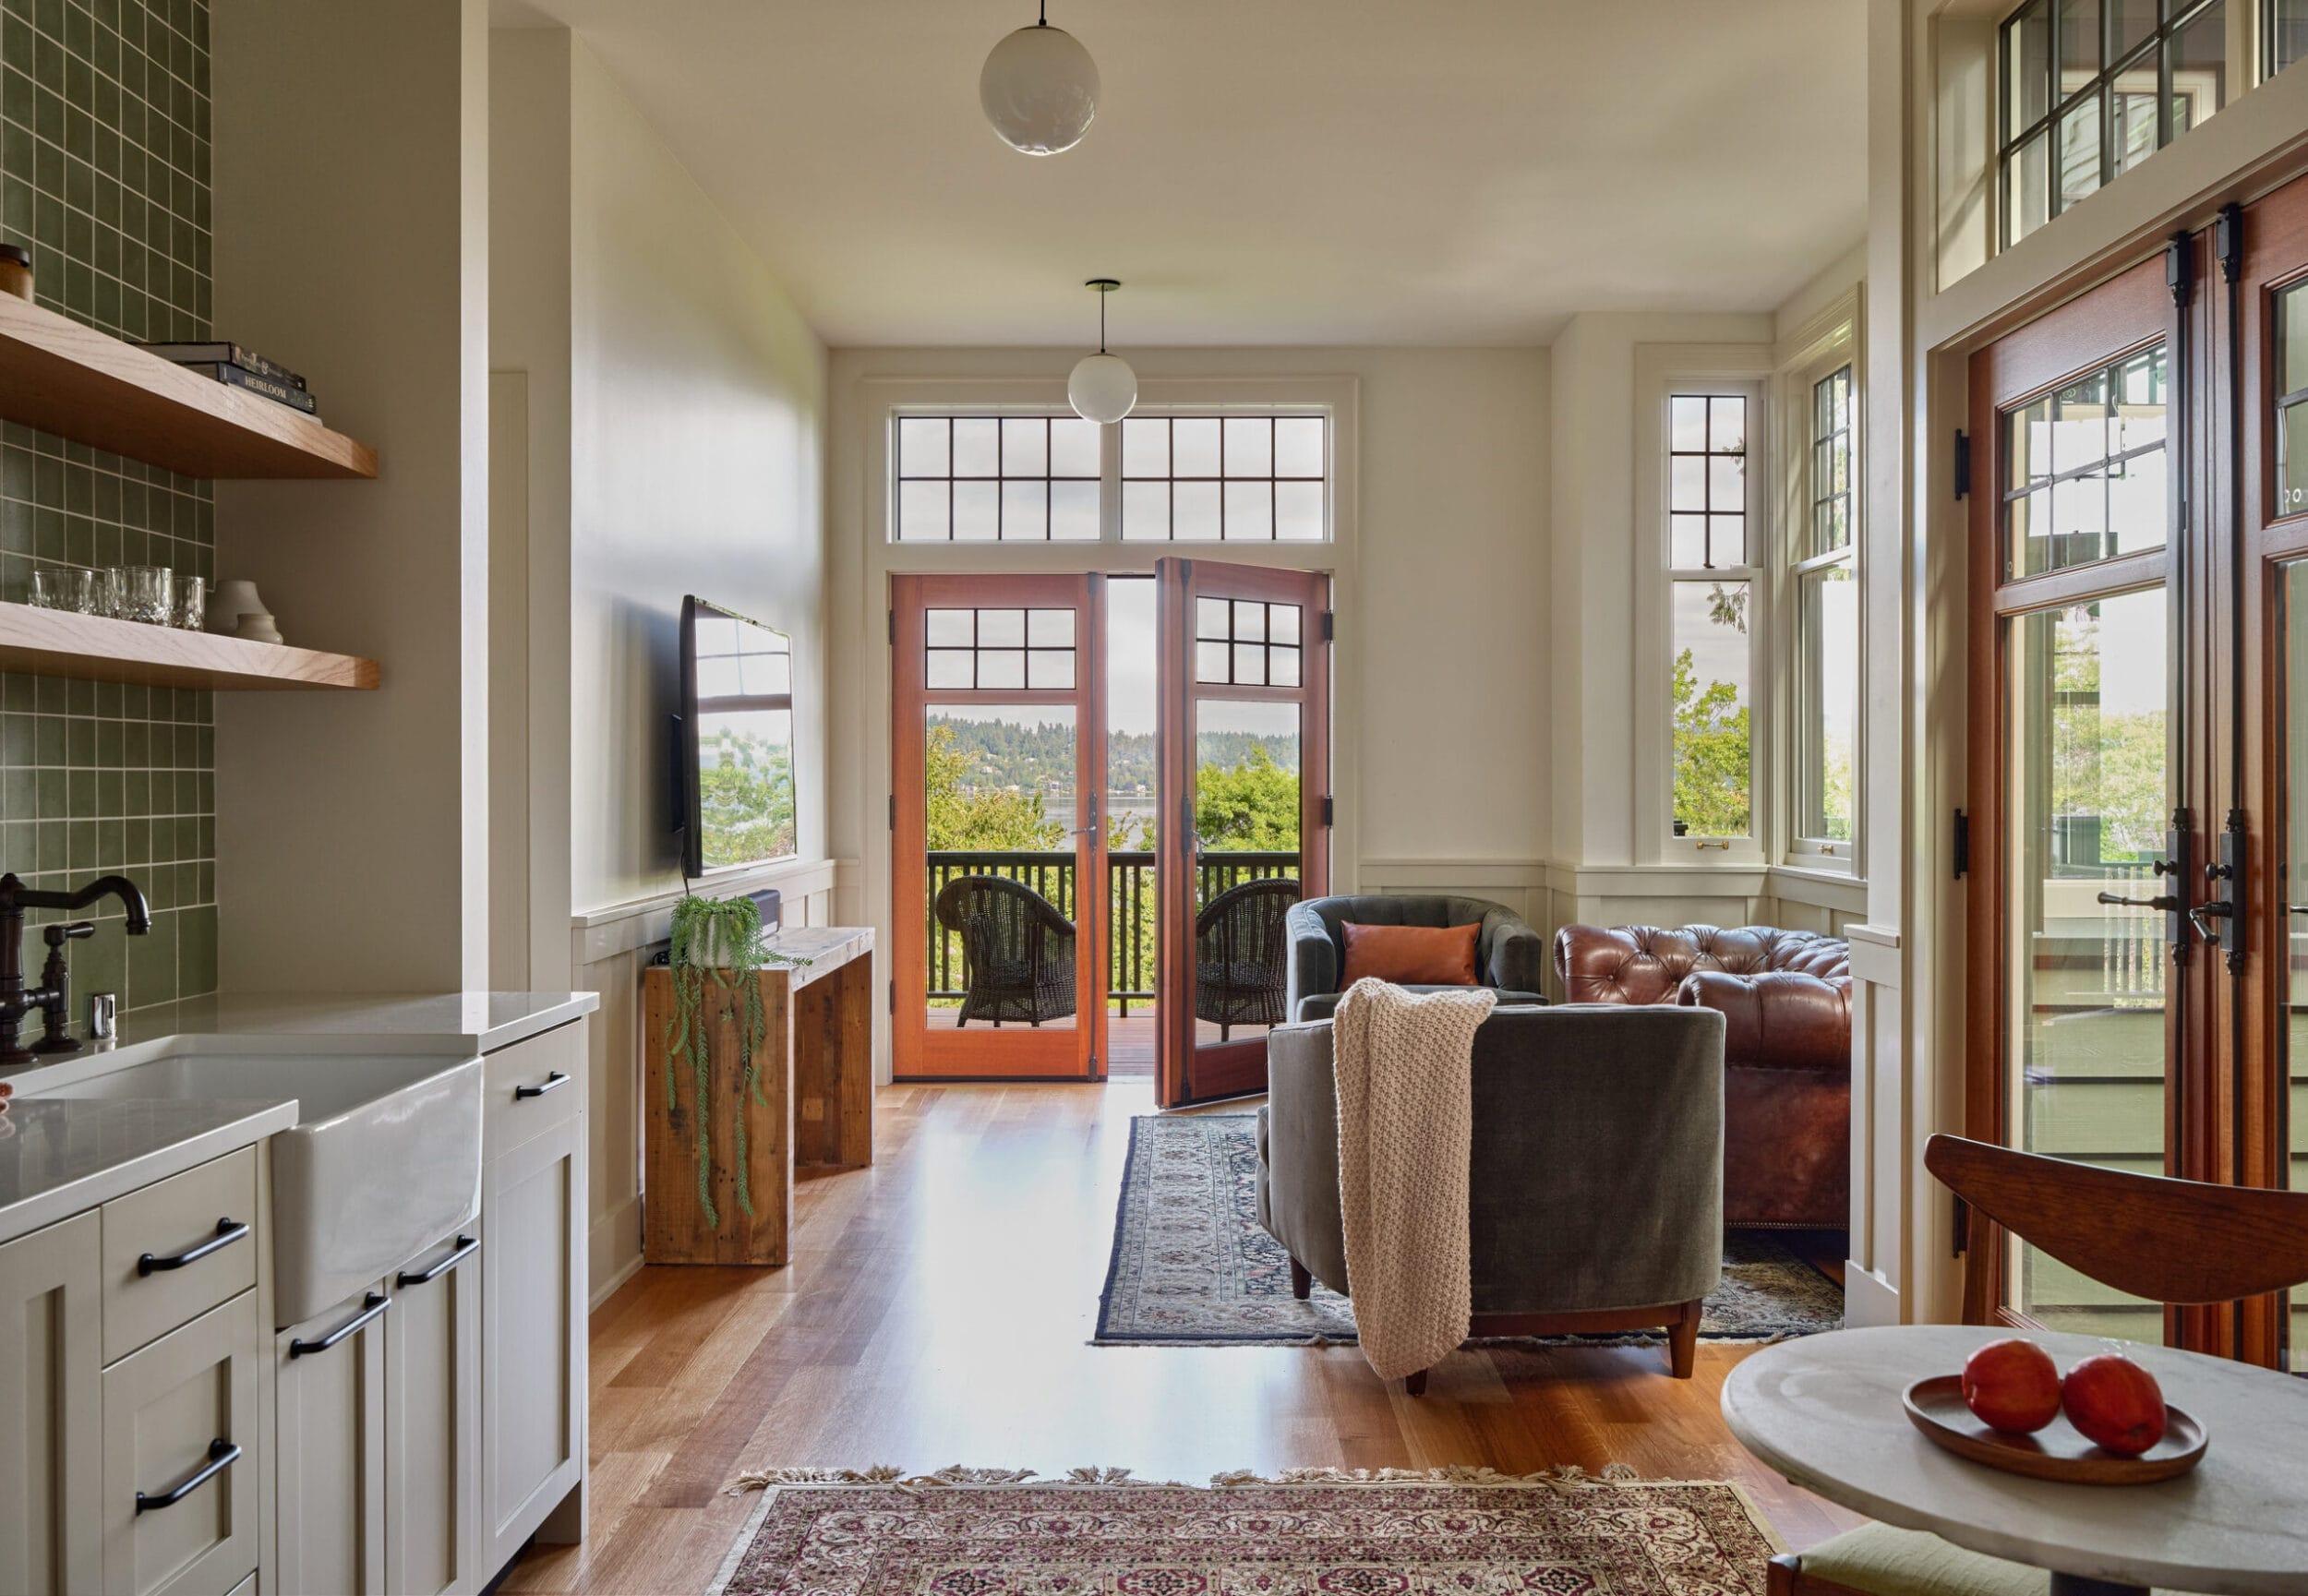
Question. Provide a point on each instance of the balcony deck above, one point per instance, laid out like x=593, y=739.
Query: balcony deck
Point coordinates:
x=1129, y=1042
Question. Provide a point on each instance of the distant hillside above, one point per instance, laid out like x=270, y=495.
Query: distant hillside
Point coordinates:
x=1003, y=755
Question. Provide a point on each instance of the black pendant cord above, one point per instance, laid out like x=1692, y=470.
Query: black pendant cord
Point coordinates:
x=2230, y=237
x=1102, y=324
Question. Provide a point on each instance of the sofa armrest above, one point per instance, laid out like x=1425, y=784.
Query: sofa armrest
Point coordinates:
x=1516, y=957
x=1777, y=1019
x=1299, y=1177
x=1313, y=967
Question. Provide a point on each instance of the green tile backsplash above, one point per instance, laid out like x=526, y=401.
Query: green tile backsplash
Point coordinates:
x=104, y=177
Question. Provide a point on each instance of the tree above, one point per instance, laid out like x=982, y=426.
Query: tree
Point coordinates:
x=961, y=817
x=1248, y=807
x=1714, y=761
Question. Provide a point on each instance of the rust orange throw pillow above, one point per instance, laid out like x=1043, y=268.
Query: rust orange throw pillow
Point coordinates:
x=1411, y=956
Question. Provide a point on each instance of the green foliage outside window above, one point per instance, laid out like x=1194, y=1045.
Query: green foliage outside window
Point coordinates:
x=1712, y=755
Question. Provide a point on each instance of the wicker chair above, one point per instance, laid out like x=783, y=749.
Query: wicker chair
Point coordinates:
x=1241, y=955
x=1017, y=951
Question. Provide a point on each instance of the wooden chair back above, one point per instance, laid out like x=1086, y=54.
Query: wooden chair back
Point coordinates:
x=2146, y=1235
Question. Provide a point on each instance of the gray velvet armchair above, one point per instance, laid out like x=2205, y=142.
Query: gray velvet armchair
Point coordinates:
x=1597, y=1169
x=1509, y=954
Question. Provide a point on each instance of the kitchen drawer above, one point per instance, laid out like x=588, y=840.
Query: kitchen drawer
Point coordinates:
x=209, y=1213
x=184, y=1408
x=549, y=1068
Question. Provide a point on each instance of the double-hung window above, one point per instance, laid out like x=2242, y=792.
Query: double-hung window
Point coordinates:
x=1823, y=563
x=1713, y=596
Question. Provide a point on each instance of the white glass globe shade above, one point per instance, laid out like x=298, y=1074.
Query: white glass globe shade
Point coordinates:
x=1102, y=388
x=1040, y=90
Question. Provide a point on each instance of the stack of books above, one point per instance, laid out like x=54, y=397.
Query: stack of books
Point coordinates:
x=238, y=368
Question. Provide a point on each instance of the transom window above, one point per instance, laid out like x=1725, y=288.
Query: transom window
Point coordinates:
x=2291, y=406
x=2092, y=88
x=997, y=479
x=1831, y=463
x=1245, y=642
x=972, y=650
x=1232, y=479
x=2284, y=27
x=1826, y=593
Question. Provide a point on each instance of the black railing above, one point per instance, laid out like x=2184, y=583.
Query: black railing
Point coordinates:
x=1129, y=904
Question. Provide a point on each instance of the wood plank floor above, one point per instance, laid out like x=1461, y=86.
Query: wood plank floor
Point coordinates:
x=939, y=1310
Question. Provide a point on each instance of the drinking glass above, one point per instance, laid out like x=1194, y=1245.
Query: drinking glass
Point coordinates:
x=111, y=582
x=149, y=594
x=192, y=603
x=68, y=587
x=45, y=590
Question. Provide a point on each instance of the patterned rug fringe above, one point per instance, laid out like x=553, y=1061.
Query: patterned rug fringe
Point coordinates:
x=1563, y=1477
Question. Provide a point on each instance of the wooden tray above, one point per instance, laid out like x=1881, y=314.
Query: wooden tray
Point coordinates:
x=2058, y=1451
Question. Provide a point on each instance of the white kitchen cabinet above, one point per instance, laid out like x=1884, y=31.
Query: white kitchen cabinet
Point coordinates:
x=433, y=1423
x=329, y=1439
x=51, y=1456
x=533, y=1296
x=181, y=1426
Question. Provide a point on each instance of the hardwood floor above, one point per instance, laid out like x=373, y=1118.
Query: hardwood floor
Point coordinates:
x=939, y=1309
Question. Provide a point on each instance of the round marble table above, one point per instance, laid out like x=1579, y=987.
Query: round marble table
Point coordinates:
x=1825, y=1411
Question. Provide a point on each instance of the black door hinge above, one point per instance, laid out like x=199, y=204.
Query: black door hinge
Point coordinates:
x=1328, y=625
x=1963, y=845
x=2180, y=268
x=1963, y=463
x=893, y=995
x=1330, y=808
x=892, y=811
x=2228, y=242
x=893, y=615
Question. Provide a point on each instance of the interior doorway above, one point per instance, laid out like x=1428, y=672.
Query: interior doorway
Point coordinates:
x=1106, y=790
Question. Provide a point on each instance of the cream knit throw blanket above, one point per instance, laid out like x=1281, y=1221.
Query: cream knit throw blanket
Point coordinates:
x=1403, y=1063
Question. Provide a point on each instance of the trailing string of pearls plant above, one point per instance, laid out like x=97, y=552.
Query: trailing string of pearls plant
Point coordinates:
x=719, y=950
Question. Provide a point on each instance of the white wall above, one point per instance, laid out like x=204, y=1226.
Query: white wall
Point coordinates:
x=683, y=397
x=1442, y=630
x=351, y=241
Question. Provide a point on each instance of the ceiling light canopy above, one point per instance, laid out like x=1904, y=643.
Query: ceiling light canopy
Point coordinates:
x=1103, y=388
x=1040, y=90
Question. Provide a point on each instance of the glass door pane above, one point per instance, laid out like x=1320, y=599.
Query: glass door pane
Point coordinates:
x=2292, y=1034
x=2089, y=798
x=1247, y=801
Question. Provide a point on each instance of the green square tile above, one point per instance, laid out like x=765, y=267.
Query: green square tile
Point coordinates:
x=79, y=796
x=100, y=963
x=51, y=852
x=80, y=846
x=20, y=845
x=195, y=952
x=15, y=741
x=139, y=841
x=48, y=741
x=80, y=743
x=79, y=696
x=50, y=800
x=19, y=793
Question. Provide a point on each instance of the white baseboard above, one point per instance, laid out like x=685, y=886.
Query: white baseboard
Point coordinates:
x=612, y=1251
x=1869, y=1299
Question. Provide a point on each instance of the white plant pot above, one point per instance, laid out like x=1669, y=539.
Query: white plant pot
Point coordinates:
x=232, y=600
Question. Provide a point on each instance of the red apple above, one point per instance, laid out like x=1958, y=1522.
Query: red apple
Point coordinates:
x=2011, y=1384
x=2115, y=1403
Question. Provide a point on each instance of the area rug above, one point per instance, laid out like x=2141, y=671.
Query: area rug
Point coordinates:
x=1192, y=1267
x=1463, y=1532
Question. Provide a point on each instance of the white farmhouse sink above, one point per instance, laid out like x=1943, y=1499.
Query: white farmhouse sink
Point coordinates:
x=385, y=1159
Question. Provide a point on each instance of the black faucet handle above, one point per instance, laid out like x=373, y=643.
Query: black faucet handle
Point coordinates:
x=76, y=931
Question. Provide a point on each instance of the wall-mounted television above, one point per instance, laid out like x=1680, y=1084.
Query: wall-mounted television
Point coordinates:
x=733, y=758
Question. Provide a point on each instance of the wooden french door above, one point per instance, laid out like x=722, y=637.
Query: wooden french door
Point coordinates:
x=997, y=846
x=1243, y=725
x=2139, y=721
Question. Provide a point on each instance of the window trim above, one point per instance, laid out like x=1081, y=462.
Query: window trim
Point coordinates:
x=1825, y=345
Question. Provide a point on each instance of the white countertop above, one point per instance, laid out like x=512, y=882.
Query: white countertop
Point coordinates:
x=62, y=1155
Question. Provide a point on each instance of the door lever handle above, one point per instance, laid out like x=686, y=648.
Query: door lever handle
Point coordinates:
x=2219, y=909
x=2165, y=903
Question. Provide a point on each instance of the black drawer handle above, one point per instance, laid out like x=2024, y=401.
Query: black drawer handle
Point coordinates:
x=373, y=1308
x=552, y=1078
x=223, y=1455
x=466, y=1246
x=227, y=1233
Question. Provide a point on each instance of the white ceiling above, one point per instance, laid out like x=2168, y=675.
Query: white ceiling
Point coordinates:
x=1442, y=172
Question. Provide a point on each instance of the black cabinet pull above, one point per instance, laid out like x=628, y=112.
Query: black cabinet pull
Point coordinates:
x=552, y=1078
x=373, y=1308
x=466, y=1246
x=227, y=1233
x=223, y=1455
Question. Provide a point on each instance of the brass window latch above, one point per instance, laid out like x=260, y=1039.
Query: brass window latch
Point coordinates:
x=1723, y=842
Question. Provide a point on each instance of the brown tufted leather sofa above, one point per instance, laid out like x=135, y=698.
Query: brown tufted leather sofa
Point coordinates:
x=1785, y=999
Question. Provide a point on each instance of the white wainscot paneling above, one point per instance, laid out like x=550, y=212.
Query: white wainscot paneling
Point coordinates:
x=1876, y=1275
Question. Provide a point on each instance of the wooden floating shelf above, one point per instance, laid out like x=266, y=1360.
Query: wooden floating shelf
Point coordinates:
x=78, y=383
x=59, y=642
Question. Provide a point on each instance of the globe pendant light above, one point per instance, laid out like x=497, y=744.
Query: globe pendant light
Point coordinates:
x=1102, y=388
x=1040, y=90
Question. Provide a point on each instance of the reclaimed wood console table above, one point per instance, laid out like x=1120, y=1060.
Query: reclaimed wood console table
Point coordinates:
x=815, y=1107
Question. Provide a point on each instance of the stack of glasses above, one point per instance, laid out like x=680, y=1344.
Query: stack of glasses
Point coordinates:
x=151, y=594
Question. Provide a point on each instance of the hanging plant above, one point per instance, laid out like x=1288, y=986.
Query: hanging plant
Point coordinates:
x=718, y=946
